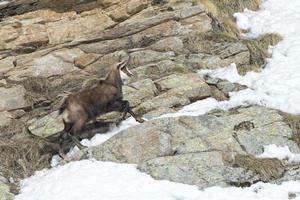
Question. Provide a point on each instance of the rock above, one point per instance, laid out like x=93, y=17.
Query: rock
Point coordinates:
x=56, y=63
x=167, y=100
x=13, y=98
x=16, y=114
x=190, y=85
x=5, y=119
x=199, y=150
x=217, y=94
x=200, y=23
x=169, y=44
x=84, y=60
x=46, y=126
x=107, y=3
x=135, y=6
x=4, y=192
x=6, y=64
x=158, y=112
x=139, y=91
x=159, y=70
x=3, y=83
x=201, y=169
x=148, y=56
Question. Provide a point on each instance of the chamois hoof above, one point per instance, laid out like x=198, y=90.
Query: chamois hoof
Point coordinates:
x=140, y=120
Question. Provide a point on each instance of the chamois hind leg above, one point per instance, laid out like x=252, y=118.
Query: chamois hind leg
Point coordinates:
x=62, y=138
x=77, y=127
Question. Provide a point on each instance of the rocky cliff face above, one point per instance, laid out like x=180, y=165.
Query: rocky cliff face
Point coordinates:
x=48, y=47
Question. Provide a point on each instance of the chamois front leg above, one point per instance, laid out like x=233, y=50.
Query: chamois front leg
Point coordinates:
x=62, y=138
x=126, y=109
x=76, y=128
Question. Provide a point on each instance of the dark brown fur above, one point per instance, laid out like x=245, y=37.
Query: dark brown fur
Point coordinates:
x=87, y=104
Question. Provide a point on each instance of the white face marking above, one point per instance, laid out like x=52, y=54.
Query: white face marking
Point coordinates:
x=123, y=76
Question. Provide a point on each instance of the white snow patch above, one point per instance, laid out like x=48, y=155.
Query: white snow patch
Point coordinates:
x=94, y=180
x=278, y=84
x=280, y=152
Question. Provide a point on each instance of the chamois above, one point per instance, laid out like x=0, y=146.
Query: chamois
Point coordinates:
x=85, y=105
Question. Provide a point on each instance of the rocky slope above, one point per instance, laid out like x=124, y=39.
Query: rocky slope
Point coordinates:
x=48, y=47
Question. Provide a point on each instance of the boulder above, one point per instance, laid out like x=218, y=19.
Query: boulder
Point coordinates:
x=46, y=126
x=207, y=150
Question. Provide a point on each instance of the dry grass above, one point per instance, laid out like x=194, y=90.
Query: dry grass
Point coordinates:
x=267, y=168
x=20, y=158
x=208, y=6
x=229, y=27
x=259, y=48
x=226, y=8
x=294, y=123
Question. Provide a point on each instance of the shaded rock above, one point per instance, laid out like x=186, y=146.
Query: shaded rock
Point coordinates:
x=13, y=98
x=217, y=94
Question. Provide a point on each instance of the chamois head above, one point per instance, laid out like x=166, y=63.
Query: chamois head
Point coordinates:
x=114, y=75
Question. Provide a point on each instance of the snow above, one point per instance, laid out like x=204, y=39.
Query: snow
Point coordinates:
x=277, y=86
x=94, y=180
x=280, y=152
